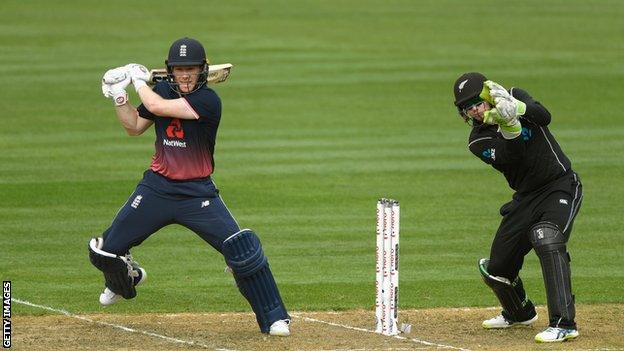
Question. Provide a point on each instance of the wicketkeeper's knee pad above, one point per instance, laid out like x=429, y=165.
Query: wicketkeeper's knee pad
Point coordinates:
x=118, y=271
x=243, y=254
x=511, y=295
x=550, y=245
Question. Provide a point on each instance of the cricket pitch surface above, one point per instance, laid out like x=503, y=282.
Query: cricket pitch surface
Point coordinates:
x=600, y=328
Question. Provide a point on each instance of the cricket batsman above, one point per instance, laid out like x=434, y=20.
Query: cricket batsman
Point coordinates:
x=177, y=188
x=510, y=133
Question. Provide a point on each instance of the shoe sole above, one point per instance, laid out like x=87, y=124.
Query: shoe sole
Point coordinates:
x=517, y=324
x=112, y=301
x=565, y=338
x=143, y=277
x=280, y=334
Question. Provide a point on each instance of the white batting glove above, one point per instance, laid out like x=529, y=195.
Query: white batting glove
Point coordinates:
x=114, y=83
x=116, y=75
x=106, y=90
x=120, y=97
x=116, y=92
x=140, y=75
x=109, y=89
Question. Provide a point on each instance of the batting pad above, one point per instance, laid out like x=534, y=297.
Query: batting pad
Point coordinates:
x=243, y=254
x=116, y=270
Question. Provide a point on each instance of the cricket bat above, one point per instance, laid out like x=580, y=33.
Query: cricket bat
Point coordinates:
x=216, y=74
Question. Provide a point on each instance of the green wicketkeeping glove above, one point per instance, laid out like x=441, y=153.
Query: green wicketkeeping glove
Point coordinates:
x=492, y=116
x=510, y=129
x=508, y=106
x=485, y=95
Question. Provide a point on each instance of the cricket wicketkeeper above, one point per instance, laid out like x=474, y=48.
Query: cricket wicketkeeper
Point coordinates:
x=178, y=187
x=510, y=132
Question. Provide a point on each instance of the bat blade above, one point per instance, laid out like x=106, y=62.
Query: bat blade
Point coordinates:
x=216, y=74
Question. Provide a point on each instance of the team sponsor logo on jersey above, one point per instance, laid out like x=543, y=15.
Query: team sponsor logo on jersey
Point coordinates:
x=563, y=201
x=527, y=134
x=174, y=129
x=174, y=143
x=205, y=203
x=489, y=153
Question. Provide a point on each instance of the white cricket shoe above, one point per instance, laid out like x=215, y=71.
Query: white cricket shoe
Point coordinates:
x=552, y=334
x=280, y=328
x=108, y=297
x=500, y=322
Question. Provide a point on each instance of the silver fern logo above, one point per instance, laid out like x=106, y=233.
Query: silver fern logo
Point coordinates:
x=461, y=85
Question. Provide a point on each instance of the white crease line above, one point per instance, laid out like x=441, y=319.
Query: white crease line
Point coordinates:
x=468, y=309
x=454, y=309
x=117, y=326
x=375, y=349
x=372, y=331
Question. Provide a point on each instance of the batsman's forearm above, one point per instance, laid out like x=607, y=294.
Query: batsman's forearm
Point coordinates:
x=173, y=108
x=128, y=116
x=150, y=99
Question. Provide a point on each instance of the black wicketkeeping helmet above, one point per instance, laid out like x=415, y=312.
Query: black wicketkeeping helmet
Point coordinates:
x=187, y=52
x=467, y=88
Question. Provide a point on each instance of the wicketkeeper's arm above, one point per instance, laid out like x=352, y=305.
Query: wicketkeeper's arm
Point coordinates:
x=535, y=112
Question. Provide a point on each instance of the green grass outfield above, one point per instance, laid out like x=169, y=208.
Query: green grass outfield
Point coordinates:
x=331, y=105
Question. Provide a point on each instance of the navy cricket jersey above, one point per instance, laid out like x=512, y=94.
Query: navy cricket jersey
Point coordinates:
x=185, y=148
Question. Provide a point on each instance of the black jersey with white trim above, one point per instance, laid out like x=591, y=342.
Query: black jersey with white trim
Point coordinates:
x=529, y=161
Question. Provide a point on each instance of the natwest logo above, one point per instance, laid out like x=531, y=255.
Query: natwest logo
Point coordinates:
x=174, y=129
x=175, y=143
